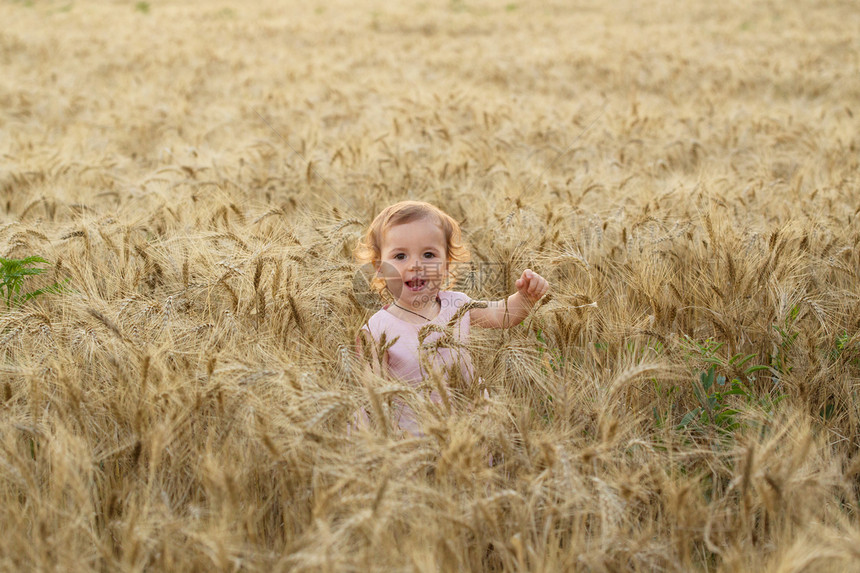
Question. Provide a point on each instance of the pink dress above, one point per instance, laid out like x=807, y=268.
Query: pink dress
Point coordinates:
x=403, y=363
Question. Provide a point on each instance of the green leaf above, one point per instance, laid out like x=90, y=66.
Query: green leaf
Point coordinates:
x=738, y=362
x=736, y=392
x=14, y=273
x=708, y=378
x=730, y=412
x=689, y=417
x=795, y=310
x=56, y=288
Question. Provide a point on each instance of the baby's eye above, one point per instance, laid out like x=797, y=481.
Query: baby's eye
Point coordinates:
x=429, y=255
x=399, y=257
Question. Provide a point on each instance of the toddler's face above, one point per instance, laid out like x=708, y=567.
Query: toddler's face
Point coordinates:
x=414, y=261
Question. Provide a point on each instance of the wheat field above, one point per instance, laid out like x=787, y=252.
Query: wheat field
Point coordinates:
x=198, y=174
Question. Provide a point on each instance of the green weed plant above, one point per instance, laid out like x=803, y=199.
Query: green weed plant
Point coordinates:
x=15, y=272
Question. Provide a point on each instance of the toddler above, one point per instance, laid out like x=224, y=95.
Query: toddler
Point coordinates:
x=412, y=245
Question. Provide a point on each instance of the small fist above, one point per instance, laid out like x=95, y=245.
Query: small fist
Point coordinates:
x=532, y=286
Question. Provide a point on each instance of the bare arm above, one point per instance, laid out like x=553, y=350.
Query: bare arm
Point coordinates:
x=514, y=309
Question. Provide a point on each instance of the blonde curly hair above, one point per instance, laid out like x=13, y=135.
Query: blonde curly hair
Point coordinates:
x=369, y=249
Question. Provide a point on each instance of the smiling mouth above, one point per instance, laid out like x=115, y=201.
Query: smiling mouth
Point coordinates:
x=415, y=284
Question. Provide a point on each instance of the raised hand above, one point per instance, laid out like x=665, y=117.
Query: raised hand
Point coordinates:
x=532, y=286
